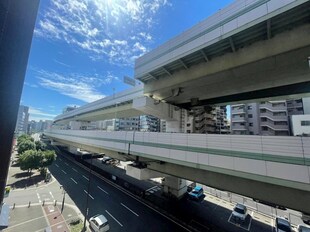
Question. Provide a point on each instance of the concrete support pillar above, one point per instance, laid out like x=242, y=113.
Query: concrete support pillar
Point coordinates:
x=174, y=186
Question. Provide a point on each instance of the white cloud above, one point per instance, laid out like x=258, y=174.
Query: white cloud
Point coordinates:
x=30, y=85
x=61, y=63
x=37, y=115
x=82, y=87
x=105, y=29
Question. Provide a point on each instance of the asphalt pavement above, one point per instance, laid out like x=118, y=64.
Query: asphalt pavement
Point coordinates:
x=88, y=195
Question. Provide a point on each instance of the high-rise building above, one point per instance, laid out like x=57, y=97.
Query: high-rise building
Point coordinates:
x=22, y=120
x=265, y=118
x=274, y=118
x=211, y=120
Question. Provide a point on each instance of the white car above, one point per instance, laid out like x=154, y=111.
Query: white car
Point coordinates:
x=99, y=223
x=240, y=212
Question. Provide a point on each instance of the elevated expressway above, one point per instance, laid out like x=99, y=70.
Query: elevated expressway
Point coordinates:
x=257, y=49
x=269, y=168
x=252, y=49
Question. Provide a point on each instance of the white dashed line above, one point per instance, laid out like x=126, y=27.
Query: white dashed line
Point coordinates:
x=57, y=165
x=114, y=218
x=130, y=210
x=73, y=180
x=63, y=171
x=74, y=169
x=52, y=195
x=66, y=164
x=103, y=190
x=39, y=197
x=85, y=177
x=89, y=194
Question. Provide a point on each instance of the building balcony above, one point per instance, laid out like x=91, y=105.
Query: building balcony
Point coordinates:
x=239, y=127
x=238, y=111
x=273, y=117
x=272, y=126
x=271, y=107
x=238, y=119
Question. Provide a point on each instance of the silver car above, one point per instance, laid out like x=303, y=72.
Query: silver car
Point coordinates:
x=240, y=212
x=99, y=223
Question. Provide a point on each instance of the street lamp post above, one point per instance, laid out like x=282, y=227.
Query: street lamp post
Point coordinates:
x=87, y=195
x=63, y=198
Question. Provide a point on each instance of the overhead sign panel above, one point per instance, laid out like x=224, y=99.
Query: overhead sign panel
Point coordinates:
x=129, y=81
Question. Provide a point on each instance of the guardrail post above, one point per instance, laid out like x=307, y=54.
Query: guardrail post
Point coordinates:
x=29, y=204
x=43, y=202
x=55, y=203
x=14, y=206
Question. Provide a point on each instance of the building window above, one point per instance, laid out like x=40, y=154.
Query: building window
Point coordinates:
x=250, y=115
x=305, y=123
x=251, y=133
x=251, y=124
x=250, y=107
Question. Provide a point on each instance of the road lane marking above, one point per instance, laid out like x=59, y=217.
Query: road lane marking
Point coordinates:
x=57, y=165
x=250, y=221
x=151, y=188
x=60, y=159
x=63, y=171
x=85, y=177
x=102, y=190
x=130, y=210
x=89, y=194
x=39, y=198
x=114, y=218
x=74, y=169
x=73, y=180
x=66, y=164
x=131, y=195
x=52, y=195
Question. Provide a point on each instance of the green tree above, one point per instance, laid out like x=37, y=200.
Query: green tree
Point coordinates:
x=40, y=146
x=30, y=159
x=23, y=138
x=25, y=145
x=48, y=157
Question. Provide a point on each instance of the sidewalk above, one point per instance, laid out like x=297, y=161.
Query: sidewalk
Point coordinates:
x=40, y=218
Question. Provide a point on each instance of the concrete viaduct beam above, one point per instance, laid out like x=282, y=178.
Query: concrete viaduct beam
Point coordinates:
x=277, y=194
x=278, y=61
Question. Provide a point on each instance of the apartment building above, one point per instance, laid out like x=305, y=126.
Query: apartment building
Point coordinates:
x=264, y=118
x=22, y=120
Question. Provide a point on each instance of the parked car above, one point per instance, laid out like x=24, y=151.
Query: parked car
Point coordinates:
x=196, y=193
x=240, y=212
x=303, y=228
x=99, y=223
x=106, y=159
x=305, y=218
x=282, y=225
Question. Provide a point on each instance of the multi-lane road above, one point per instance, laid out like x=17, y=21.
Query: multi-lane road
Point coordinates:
x=124, y=212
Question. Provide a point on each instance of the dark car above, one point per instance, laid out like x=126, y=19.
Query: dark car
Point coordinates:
x=282, y=225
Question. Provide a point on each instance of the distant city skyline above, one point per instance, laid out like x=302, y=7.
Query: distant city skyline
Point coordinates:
x=82, y=49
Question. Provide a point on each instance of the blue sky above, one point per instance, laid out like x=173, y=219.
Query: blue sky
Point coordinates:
x=81, y=49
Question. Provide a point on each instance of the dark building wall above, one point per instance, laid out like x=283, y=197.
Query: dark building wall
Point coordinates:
x=17, y=20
